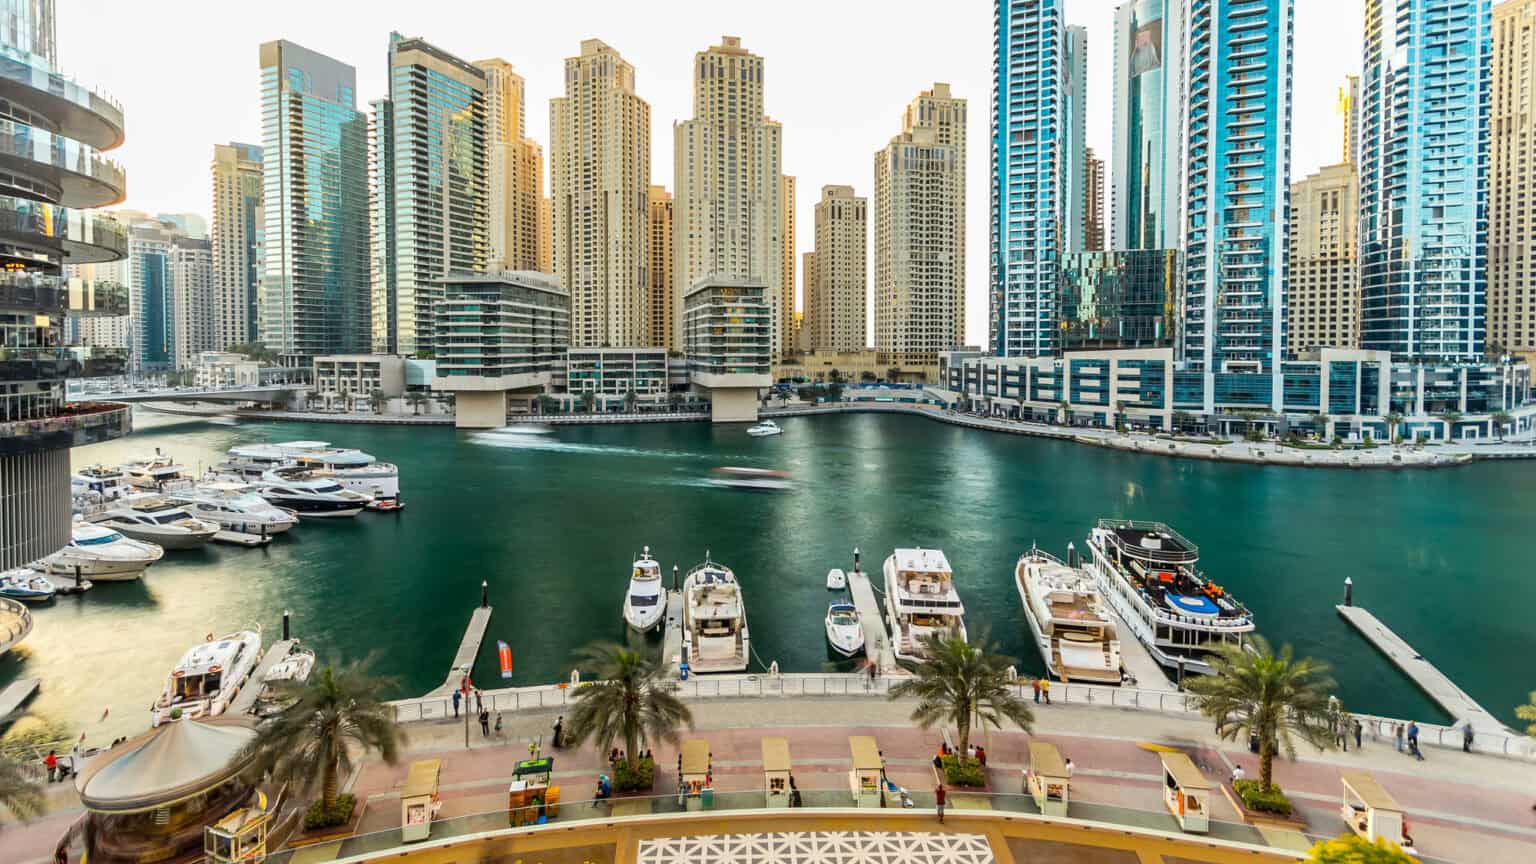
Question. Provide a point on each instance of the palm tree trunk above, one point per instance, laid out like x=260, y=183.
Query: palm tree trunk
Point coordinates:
x=328, y=786
x=1266, y=762
x=965, y=733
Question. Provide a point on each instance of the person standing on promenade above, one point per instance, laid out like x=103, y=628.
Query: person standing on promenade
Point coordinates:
x=456, y=697
x=498, y=724
x=479, y=700
x=51, y=762
x=485, y=723
x=1397, y=732
x=938, y=799
x=1045, y=689
x=1358, y=730
x=1037, y=691
x=1466, y=737
x=559, y=728
x=1413, y=740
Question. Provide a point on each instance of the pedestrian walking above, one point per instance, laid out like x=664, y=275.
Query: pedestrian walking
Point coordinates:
x=456, y=697
x=1037, y=691
x=1413, y=740
x=498, y=724
x=1397, y=732
x=1045, y=689
x=1358, y=730
x=1069, y=767
x=479, y=700
x=938, y=800
x=485, y=723
x=1466, y=738
x=559, y=728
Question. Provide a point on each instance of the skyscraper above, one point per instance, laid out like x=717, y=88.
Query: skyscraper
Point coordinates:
x=1148, y=125
x=1237, y=176
x=836, y=292
x=1074, y=150
x=194, y=300
x=1027, y=129
x=660, y=301
x=1512, y=180
x=152, y=308
x=600, y=158
x=315, y=295
x=238, y=222
x=1323, y=305
x=515, y=166
x=786, y=322
x=1424, y=93
x=729, y=168
x=1349, y=115
x=1095, y=217
x=436, y=161
x=919, y=231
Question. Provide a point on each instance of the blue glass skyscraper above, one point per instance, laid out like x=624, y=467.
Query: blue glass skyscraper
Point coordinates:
x=1425, y=90
x=1237, y=185
x=1074, y=137
x=1145, y=163
x=1027, y=132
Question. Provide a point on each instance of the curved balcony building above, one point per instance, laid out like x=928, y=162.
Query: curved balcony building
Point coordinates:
x=54, y=134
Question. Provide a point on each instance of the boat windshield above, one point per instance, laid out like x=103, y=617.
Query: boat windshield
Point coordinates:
x=196, y=686
x=111, y=537
x=327, y=489
x=843, y=616
x=169, y=518
x=642, y=599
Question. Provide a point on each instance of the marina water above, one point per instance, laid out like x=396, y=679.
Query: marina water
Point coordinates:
x=553, y=521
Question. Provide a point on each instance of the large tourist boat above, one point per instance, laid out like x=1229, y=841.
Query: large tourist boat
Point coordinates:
x=157, y=519
x=208, y=677
x=235, y=507
x=644, y=606
x=715, y=637
x=1149, y=574
x=352, y=469
x=1068, y=619
x=310, y=492
x=101, y=554
x=920, y=600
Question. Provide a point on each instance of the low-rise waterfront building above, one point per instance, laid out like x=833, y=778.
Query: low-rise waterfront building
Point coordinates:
x=858, y=366
x=726, y=334
x=345, y=382
x=499, y=332
x=610, y=375
x=223, y=369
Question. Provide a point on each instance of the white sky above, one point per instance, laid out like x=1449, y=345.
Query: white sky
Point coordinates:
x=839, y=73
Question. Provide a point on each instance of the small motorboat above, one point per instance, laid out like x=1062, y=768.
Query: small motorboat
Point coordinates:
x=765, y=429
x=837, y=580
x=27, y=585
x=751, y=479
x=844, y=632
x=644, y=602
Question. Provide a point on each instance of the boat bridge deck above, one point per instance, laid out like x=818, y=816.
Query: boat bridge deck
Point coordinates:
x=877, y=645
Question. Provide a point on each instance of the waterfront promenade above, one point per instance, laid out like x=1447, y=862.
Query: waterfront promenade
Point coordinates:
x=1460, y=807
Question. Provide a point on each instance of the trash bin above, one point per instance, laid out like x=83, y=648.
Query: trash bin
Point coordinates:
x=706, y=798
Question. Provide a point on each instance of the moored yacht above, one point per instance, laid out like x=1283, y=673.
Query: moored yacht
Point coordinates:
x=102, y=554
x=1068, y=619
x=310, y=492
x=715, y=637
x=352, y=469
x=105, y=484
x=920, y=600
x=844, y=632
x=1149, y=574
x=235, y=507
x=158, y=473
x=644, y=602
x=208, y=677
x=27, y=585
x=157, y=519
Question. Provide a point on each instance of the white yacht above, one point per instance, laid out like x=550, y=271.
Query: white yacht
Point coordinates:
x=208, y=677
x=235, y=507
x=844, y=632
x=158, y=473
x=1149, y=574
x=715, y=637
x=920, y=599
x=296, y=668
x=105, y=484
x=765, y=429
x=27, y=585
x=101, y=554
x=352, y=469
x=157, y=519
x=645, y=603
x=310, y=492
x=1068, y=619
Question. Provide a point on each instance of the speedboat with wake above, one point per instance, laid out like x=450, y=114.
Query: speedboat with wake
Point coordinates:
x=1068, y=619
x=27, y=585
x=844, y=632
x=159, y=520
x=750, y=479
x=208, y=677
x=715, y=637
x=644, y=605
x=101, y=554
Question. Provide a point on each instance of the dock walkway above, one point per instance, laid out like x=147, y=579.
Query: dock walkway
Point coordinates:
x=246, y=700
x=469, y=648
x=1435, y=684
x=15, y=695
x=1137, y=660
x=877, y=645
x=672, y=640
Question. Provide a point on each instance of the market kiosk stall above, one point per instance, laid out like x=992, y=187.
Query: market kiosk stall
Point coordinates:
x=776, y=776
x=418, y=800
x=1046, y=779
x=864, y=780
x=1186, y=792
x=530, y=798
x=1370, y=810
x=695, y=770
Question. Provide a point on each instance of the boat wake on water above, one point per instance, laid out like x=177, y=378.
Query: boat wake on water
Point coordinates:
x=548, y=443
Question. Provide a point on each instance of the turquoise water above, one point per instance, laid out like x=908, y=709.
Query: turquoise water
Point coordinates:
x=552, y=523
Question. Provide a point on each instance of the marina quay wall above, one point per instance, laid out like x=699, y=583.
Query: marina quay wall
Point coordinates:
x=812, y=685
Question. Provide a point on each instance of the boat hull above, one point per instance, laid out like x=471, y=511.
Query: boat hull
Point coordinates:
x=644, y=619
x=844, y=645
x=165, y=540
x=320, y=509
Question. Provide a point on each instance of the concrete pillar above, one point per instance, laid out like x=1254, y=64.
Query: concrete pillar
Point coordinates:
x=480, y=409
x=733, y=405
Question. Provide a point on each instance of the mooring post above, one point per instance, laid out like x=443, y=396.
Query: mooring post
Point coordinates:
x=287, y=613
x=1349, y=591
x=485, y=597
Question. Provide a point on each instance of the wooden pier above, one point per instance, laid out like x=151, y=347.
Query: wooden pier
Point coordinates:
x=672, y=635
x=469, y=649
x=15, y=695
x=246, y=700
x=240, y=538
x=1435, y=684
x=877, y=645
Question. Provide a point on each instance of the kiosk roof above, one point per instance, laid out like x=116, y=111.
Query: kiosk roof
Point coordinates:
x=1045, y=760
x=866, y=753
x=1369, y=791
x=422, y=779
x=775, y=754
x=695, y=756
x=1184, y=771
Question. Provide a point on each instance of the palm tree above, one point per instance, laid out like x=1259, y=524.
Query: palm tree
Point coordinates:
x=1180, y=420
x=675, y=400
x=1272, y=696
x=335, y=716
x=1450, y=419
x=546, y=403
x=1394, y=422
x=630, y=701
x=1500, y=420
x=1528, y=712
x=1065, y=407
x=588, y=401
x=417, y=399
x=964, y=684
x=631, y=398
x=378, y=401
x=835, y=377
x=19, y=792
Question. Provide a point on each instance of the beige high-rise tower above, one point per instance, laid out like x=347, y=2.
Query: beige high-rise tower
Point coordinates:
x=920, y=231
x=1511, y=177
x=1323, y=306
x=728, y=177
x=600, y=173
x=787, y=335
x=516, y=170
x=837, y=274
x=660, y=298
x=236, y=235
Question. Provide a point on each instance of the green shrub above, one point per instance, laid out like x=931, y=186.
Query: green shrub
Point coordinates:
x=627, y=779
x=959, y=771
x=1255, y=798
x=317, y=816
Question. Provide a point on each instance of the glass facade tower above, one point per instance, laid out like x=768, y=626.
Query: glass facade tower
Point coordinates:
x=1074, y=150
x=1425, y=91
x=1148, y=70
x=1237, y=185
x=314, y=288
x=1028, y=79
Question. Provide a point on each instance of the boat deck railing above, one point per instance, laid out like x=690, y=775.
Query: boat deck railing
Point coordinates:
x=1189, y=554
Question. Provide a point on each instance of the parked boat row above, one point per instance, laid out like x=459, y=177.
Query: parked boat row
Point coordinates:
x=715, y=637
x=211, y=674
